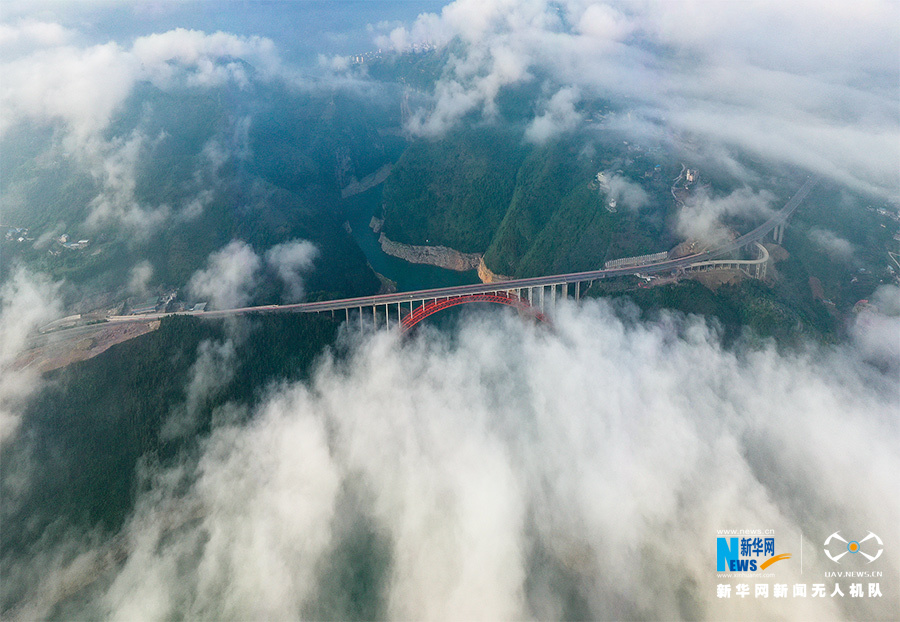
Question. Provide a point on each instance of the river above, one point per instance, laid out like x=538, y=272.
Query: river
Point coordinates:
x=359, y=210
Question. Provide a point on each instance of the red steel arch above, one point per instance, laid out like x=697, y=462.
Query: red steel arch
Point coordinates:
x=432, y=307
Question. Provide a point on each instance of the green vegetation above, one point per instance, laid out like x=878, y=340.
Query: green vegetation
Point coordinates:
x=816, y=285
x=452, y=192
x=266, y=165
x=531, y=209
x=556, y=220
x=847, y=277
x=299, y=140
x=542, y=182
x=750, y=304
x=40, y=189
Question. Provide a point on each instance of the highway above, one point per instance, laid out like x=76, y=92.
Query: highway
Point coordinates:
x=755, y=235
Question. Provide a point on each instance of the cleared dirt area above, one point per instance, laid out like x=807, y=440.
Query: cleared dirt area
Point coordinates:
x=56, y=350
x=717, y=278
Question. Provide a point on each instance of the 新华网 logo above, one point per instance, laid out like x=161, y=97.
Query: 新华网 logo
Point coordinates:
x=743, y=554
x=836, y=547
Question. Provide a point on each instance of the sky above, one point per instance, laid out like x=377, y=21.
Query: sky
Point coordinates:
x=504, y=471
x=303, y=29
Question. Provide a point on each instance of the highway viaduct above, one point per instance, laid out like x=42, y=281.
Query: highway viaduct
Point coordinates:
x=537, y=292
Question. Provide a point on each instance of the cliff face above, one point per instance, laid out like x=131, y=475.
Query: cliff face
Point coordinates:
x=486, y=276
x=440, y=256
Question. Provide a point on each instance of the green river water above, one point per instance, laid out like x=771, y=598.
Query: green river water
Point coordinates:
x=408, y=276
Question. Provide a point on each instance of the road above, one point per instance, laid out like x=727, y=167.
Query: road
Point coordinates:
x=480, y=288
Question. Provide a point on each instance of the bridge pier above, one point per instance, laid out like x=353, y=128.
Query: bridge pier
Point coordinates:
x=778, y=233
x=577, y=290
x=761, y=267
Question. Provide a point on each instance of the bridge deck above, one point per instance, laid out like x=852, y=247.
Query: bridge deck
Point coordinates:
x=518, y=284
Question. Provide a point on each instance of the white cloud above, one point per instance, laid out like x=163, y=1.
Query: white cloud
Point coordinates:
x=876, y=330
x=626, y=192
x=702, y=216
x=229, y=278
x=604, y=22
x=30, y=33
x=290, y=260
x=265, y=496
x=114, y=165
x=453, y=102
x=82, y=88
x=559, y=116
x=501, y=463
x=139, y=278
x=510, y=467
x=334, y=63
x=795, y=83
x=832, y=244
x=212, y=371
x=193, y=207
x=29, y=301
x=206, y=59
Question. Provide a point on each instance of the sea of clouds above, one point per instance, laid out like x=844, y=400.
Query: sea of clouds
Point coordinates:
x=505, y=470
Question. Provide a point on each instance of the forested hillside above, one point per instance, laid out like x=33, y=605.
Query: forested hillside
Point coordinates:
x=454, y=191
x=531, y=209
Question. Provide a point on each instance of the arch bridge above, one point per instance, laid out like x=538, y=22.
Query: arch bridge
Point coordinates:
x=505, y=298
x=531, y=295
x=405, y=314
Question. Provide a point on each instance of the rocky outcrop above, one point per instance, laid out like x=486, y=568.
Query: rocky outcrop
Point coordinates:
x=439, y=256
x=486, y=276
x=387, y=286
x=369, y=181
